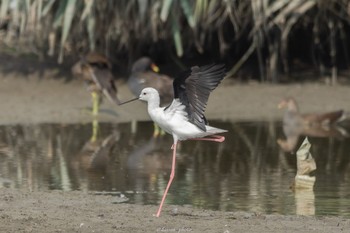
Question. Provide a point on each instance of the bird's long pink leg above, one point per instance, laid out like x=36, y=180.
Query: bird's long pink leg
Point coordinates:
x=172, y=174
x=213, y=138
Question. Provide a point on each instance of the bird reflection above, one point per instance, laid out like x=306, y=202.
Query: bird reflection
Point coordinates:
x=95, y=153
x=315, y=125
x=149, y=157
x=304, y=181
x=144, y=164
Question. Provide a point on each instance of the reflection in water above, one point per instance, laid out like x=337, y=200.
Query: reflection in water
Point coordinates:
x=304, y=181
x=247, y=172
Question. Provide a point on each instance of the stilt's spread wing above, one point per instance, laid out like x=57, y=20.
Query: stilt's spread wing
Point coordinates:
x=193, y=87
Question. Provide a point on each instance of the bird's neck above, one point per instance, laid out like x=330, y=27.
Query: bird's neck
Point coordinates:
x=153, y=103
x=293, y=107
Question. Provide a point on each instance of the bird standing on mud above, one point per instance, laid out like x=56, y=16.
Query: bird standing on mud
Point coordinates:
x=95, y=69
x=184, y=118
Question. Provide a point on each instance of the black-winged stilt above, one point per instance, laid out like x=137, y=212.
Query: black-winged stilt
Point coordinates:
x=184, y=118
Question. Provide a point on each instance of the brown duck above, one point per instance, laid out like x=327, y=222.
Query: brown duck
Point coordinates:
x=95, y=70
x=317, y=125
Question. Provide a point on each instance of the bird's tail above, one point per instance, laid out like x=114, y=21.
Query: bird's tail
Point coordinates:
x=213, y=130
x=333, y=117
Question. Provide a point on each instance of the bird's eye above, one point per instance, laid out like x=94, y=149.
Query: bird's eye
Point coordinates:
x=144, y=93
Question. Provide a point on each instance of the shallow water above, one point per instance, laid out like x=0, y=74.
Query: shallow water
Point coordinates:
x=248, y=172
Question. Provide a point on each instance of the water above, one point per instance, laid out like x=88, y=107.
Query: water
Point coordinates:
x=248, y=172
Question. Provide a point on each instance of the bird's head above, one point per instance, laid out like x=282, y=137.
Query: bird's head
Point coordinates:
x=144, y=64
x=148, y=94
x=288, y=103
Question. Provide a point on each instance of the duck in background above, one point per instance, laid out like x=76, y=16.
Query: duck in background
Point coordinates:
x=312, y=124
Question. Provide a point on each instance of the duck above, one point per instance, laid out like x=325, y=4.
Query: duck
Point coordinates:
x=145, y=73
x=310, y=124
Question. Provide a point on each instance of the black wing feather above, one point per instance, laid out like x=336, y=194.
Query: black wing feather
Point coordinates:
x=193, y=88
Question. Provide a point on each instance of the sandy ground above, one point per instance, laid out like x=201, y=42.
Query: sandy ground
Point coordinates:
x=32, y=100
x=59, y=211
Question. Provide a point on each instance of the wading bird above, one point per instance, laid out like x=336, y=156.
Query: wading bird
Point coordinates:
x=95, y=70
x=184, y=118
x=312, y=124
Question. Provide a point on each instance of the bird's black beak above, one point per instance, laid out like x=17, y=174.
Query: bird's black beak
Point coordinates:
x=128, y=101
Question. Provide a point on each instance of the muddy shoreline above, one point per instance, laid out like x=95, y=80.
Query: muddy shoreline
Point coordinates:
x=58, y=211
x=32, y=100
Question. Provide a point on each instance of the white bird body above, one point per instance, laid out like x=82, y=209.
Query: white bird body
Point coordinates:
x=174, y=119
